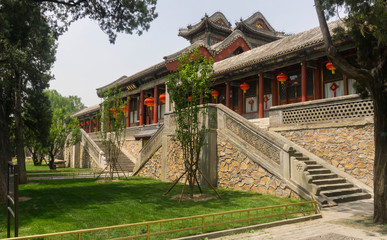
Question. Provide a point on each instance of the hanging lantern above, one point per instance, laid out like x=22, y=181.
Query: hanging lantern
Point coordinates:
x=189, y=98
x=94, y=121
x=162, y=98
x=282, y=77
x=82, y=124
x=124, y=109
x=244, y=86
x=87, y=122
x=330, y=67
x=215, y=94
x=149, y=102
x=113, y=111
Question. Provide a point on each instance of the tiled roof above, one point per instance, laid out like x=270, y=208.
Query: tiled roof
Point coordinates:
x=186, y=32
x=86, y=111
x=124, y=79
x=214, y=49
x=274, y=49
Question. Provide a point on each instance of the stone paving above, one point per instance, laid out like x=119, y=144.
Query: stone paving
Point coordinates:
x=348, y=221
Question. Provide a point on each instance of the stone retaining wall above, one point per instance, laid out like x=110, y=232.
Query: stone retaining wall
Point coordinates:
x=175, y=161
x=133, y=147
x=236, y=171
x=349, y=148
x=153, y=167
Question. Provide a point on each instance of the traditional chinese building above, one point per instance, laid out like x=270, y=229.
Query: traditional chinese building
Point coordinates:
x=280, y=82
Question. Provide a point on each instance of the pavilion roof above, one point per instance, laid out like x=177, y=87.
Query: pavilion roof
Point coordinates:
x=137, y=76
x=217, y=21
x=86, y=111
x=273, y=50
x=213, y=49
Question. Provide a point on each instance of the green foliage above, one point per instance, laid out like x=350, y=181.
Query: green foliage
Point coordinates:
x=112, y=126
x=191, y=81
x=64, y=130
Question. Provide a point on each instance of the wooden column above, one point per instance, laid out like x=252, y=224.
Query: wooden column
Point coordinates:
x=141, y=108
x=274, y=92
x=303, y=82
x=128, y=111
x=317, y=81
x=228, y=85
x=241, y=101
x=156, y=104
x=90, y=126
x=260, y=96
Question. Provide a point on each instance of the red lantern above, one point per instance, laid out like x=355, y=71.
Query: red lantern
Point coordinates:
x=113, y=111
x=189, y=98
x=94, y=121
x=87, y=122
x=149, y=102
x=215, y=94
x=282, y=77
x=162, y=98
x=244, y=86
x=124, y=109
x=82, y=124
x=330, y=67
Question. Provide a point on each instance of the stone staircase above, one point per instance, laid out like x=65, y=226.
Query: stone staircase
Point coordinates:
x=124, y=163
x=329, y=188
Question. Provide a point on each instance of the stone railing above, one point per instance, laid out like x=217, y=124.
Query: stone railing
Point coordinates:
x=273, y=153
x=147, y=151
x=93, y=149
x=340, y=108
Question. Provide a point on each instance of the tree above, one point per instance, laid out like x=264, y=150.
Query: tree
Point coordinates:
x=62, y=124
x=112, y=130
x=24, y=24
x=37, y=119
x=367, y=28
x=188, y=87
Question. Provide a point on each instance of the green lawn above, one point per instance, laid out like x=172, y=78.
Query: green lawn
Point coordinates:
x=44, y=169
x=63, y=205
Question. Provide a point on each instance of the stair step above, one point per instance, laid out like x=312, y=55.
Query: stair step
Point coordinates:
x=302, y=158
x=334, y=186
x=341, y=192
x=319, y=171
x=314, y=166
x=328, y=181
x=350, y=197
x=297, y=154
x=323, y=176
x=310, y=162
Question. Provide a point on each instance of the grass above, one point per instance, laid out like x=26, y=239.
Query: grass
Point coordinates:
x=63, y=205
x=44, y=169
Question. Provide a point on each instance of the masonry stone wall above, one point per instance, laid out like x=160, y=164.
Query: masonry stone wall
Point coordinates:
x=153, y=167
x=175, y=161
x=85, y=160
x=236, y=171
x=133, y=147
x=349, y=148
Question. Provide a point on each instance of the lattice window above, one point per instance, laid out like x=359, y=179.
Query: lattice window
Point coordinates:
x=329, y=112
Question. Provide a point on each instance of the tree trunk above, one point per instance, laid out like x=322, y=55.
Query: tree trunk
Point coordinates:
x=19, y=133
x=380, y=162
x=51, y=161
x=4, y=150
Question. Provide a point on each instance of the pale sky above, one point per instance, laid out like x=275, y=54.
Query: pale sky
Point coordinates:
x=86, y=60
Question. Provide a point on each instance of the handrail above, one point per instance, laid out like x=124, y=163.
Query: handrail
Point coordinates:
x=153, y=144
x=95, y=151
x=198, y=222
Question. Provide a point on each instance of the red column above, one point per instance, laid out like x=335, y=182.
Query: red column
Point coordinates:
x=260, y=96
x=90, y=126
x=228, y=85
x=128, y=112
x=156, y=104
x=241, y=101
x=317, y=82
x=141, y=108
x=274, y=92
x=303, y=82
